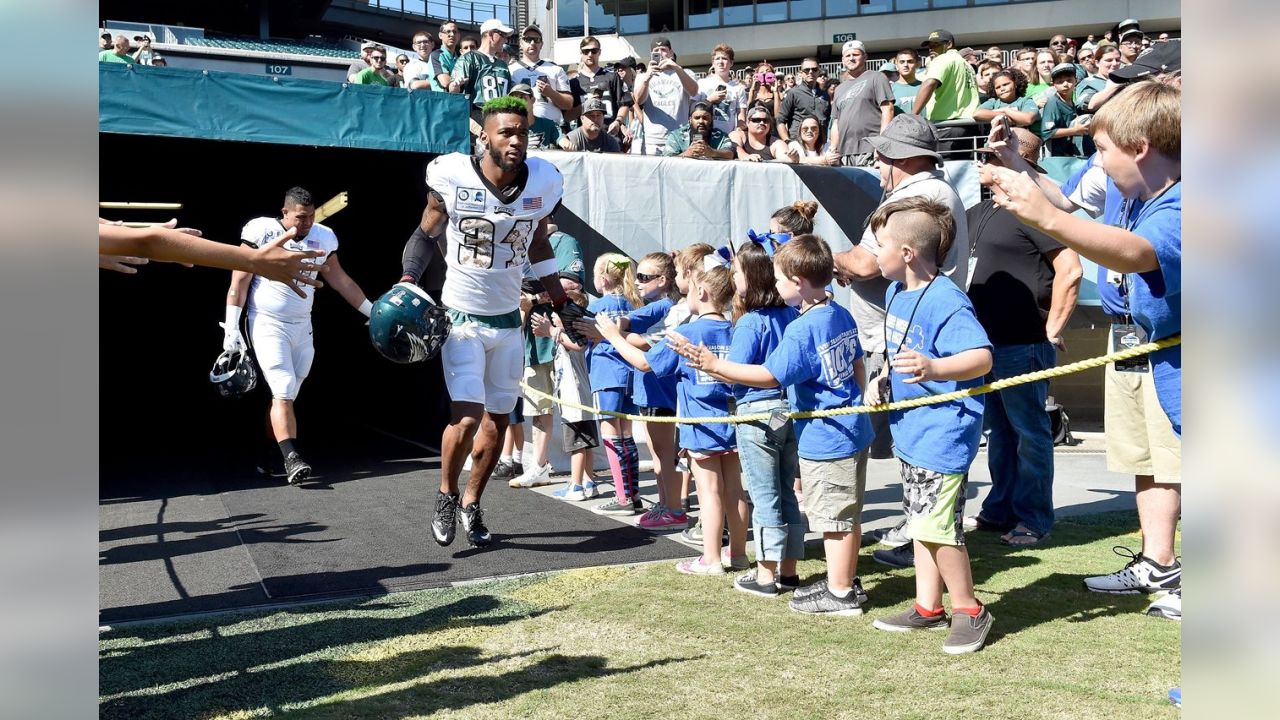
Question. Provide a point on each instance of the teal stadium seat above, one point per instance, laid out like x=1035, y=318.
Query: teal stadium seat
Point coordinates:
x=292, y=47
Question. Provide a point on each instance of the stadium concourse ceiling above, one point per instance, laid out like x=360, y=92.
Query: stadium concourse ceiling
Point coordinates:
x=284, y=18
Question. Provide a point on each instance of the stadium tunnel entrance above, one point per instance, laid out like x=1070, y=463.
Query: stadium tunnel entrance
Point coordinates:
x=159, y=328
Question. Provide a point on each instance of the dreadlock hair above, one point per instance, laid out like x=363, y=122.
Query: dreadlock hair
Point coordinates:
x=503, y=105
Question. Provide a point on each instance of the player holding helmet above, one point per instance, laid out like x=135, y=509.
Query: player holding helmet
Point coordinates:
x=492, y=211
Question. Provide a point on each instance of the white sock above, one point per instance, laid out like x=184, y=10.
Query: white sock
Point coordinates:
x=505, y=459
x=844, y=594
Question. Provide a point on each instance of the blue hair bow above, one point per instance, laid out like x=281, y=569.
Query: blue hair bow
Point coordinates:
x=722, y=257
x=770, y=241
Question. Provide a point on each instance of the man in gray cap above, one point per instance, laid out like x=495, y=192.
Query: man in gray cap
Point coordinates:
x=906, y=154
x=591, y=136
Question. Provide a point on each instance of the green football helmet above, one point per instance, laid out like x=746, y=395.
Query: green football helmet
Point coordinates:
x=407, y=326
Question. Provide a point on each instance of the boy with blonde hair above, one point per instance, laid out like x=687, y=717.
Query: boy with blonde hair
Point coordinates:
x=935, y=345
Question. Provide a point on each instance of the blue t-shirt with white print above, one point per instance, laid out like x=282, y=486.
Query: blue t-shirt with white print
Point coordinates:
x=944, y=437
x=651, y=391
x=815, y=360
x=607, y=368
x=1155, y=298
x=755, y=335
x=698, y=394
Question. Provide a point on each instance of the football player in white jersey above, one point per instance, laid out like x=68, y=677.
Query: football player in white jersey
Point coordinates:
x=492, y=211
x=280, y=318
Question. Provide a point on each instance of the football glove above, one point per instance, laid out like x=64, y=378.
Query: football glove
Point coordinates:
x=569, y=312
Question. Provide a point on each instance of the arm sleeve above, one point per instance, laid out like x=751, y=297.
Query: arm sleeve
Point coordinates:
x=663, y=361
x=417, y=255
x=791, y=364
x=1164, y=231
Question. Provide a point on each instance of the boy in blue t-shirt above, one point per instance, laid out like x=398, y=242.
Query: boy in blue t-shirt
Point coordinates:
x=935, y=345
x=1139, y=139
x=819, y=359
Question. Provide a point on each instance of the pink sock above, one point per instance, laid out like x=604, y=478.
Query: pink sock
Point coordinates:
x=613, y=451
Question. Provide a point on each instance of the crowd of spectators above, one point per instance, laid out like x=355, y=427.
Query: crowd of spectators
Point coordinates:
x=1053, y=91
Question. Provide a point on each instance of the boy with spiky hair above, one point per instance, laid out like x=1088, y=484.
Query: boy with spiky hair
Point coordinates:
x=935, y=346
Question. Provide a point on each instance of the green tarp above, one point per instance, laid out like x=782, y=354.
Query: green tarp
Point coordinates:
x=176, y=102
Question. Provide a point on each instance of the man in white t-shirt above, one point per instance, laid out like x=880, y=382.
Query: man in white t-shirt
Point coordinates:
x=551, y=95
x=727, y=96
x=418, y=74
x=907, y=158
x=663, y=95
x=280, y=319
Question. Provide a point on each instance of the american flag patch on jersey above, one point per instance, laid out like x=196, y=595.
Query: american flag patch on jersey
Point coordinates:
x=533, y=203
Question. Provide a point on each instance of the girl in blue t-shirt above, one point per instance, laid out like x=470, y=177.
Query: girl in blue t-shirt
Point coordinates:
x=615, y=280
x=770, y=464
x=655, y=396
x=711, y=446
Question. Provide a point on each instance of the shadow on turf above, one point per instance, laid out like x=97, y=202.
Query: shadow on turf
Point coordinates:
x=240, y=688
x=308, y=586
x=214, y=653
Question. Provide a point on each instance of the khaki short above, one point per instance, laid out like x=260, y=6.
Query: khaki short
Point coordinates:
x=833, y=492
x=1140, y=438
x=538, y=377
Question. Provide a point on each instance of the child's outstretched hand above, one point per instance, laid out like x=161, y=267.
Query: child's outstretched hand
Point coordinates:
x=540, y=325
x=1019, y=194
x=608, y=327
x=918, y=368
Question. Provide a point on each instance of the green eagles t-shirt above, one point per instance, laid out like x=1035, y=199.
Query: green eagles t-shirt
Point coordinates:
x=111, y=57
x=369, y=76
x=956, y=96
x=544, y=133
x=482, y=78
x=904, y=96
x=1058, y=114
x=1022, y=104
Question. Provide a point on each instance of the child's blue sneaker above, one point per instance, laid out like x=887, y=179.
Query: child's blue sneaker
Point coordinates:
x=589, y=489
x=571, y=492
x=1175, y=697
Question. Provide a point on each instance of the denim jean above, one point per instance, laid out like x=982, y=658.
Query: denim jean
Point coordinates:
x=1020, y=448
x=769, y=468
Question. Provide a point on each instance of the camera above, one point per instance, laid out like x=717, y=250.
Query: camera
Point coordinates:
x=767, y=78
x=655, y=57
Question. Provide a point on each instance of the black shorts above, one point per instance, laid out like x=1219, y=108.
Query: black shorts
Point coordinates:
x=581, y=435
x=656, y=412
x=517, y=415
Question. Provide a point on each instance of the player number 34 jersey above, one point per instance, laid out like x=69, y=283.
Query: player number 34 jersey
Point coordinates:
x=489, y=231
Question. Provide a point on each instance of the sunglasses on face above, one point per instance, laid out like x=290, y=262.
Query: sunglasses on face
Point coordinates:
x=377, y=57
x=532, y=40
x=591, y=51
x=759, y=120
x=642, y=277
x=808, y=70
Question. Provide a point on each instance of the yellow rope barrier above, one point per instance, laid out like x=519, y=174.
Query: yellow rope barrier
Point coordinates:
x=1068, y=369
x=139, y=206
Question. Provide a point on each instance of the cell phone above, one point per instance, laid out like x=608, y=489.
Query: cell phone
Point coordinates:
x=721, y=88
x=655, y=57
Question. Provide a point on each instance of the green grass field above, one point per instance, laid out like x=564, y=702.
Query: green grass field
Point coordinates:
x=639, y=642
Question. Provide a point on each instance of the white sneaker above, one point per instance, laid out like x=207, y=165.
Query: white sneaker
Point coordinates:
x=533, y=477
x=1141, y=575
x=1168, y=605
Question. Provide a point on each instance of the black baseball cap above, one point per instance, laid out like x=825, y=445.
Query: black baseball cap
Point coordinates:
x=660, y=42
x=1164, y=57
x=937, y=37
